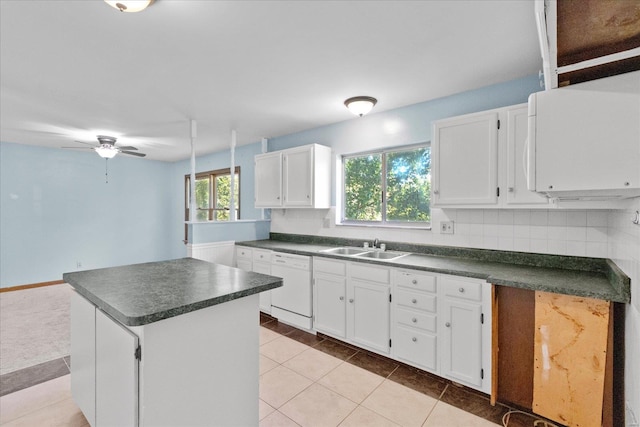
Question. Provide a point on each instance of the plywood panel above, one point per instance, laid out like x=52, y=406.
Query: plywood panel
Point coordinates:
x=570, y=358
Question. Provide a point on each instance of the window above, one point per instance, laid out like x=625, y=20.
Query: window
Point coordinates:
x=213, y=195
x=391, y=187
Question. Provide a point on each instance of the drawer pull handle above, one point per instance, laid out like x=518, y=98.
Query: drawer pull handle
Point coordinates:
x=461, y=290
x=414, y=339
x=341, y=298
x=414, y=281
x=351, y=300
x=447, y=324
x=414, y=320
x=414, y=300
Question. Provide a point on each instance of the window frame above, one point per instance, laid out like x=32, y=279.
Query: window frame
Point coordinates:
x=211, y=175
x=383, y=175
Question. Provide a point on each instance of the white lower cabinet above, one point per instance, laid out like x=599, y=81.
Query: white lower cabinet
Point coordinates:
x=434, y=322
x=465, y=336
x=368, y=300
x=329, y=296
x=414, y=319
x=104, y=374
x=258, y=261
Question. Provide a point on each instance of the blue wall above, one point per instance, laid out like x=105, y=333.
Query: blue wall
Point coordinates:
x=56, y=210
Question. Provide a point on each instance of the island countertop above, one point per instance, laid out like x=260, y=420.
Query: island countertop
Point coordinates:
x=139, y=294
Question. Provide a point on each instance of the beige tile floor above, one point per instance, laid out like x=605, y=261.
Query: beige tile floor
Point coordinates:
x=302, y=386
x=299, y=386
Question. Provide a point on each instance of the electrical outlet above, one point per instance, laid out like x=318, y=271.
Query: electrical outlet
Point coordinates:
x=446, y=227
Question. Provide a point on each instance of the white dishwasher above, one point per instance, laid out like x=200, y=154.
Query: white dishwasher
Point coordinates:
x=292, y=303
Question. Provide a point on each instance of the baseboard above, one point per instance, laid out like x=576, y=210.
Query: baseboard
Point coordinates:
x=32, y=285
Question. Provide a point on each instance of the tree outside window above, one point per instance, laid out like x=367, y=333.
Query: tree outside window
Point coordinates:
x=388, y=187
x=213, y=195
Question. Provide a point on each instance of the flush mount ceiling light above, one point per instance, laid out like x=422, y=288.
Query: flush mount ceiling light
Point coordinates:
x=106, y=151
x=360, y=105
x=129, y=5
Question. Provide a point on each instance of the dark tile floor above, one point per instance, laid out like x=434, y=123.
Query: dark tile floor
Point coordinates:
x=27, y=377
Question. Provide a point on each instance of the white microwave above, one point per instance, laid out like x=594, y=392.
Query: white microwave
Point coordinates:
x=584, y=140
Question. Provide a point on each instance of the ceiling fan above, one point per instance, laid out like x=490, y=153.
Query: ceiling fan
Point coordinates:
x=107, y=148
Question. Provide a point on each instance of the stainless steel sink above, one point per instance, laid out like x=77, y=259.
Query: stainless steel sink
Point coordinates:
x=345, y=251
x=381, y=255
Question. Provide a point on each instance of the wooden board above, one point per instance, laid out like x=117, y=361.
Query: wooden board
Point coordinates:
x=570, y=358
x=515, y=331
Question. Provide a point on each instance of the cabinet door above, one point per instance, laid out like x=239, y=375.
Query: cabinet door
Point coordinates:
x=244, y=264
x=517, y=192
x=465, y=156
x=462, y=341
x=268, y=180
x=83, y=353
x=116, y=373
x=368, y=314
x=298, y=177
x=329, y=304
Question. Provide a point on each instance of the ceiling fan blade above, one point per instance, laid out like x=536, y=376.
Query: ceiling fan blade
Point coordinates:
x=80, y=148
x=131, y=153
x=128, y=147
x=88, y=143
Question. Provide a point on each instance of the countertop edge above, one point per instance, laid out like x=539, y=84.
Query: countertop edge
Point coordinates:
x=618, y=281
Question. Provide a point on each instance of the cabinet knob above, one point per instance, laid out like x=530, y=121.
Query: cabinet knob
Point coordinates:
x=436, y=192
x=351, y=300
x=341, y=298
x=414, y=300
x=414, y=281
x=414, y=339
x=414, y=320
x=278, y=198
x=308, y=196
x=447, y=324
x=551, y=187
x=461, y=290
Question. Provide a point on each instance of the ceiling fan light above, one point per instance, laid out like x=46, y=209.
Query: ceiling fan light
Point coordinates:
x=106, y=152
x=360, y=105
x=129, y=5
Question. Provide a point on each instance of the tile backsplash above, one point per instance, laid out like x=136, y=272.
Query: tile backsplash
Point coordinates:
x=575, y=232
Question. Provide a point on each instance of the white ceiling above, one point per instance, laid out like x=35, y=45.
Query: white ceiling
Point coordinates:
x=73, y=69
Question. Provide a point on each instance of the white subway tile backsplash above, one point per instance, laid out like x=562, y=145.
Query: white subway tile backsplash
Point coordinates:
x=557, y=232
x=597, y=218
x=490, y=230
x=557, y=218
x=558, y=247
x=538, y=232
x=490, y=242
x=576, y=248
x=490, y=216
x=577, y=218
x=471, y=216
x=522, y=217
x=597, y=234
x=596, y=249
x=539, y=218
x=505, y=230
x=521, y=245
x=577, y=234
x=521, y=231
x=538, y=246
x=505, y=217
x=505, y=244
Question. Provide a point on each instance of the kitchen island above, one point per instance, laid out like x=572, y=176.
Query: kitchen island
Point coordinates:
x=166, y=343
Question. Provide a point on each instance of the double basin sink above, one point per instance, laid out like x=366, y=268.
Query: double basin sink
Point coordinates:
x=364, y=253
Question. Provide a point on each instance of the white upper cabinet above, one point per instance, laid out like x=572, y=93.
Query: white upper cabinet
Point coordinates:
x=268, y=174
x=464, y=160
x=477, y=161
x=299, y=177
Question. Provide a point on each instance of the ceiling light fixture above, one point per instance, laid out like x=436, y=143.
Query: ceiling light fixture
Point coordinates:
x=129, y=5
x=360, y=105
x=106, y=151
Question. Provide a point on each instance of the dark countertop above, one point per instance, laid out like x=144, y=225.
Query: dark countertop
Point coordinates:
x=587, y=277
x=139, y=294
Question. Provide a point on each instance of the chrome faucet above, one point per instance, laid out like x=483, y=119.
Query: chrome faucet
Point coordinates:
x=376, y=243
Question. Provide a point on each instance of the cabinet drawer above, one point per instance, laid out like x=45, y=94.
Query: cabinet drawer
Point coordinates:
x=424, y=321
x=463, y=289
x=369, y=273
x=419, y=348
x=262, y=255
x=417, y=300
x=325, y=265
x=423, y=282
x=243, y=252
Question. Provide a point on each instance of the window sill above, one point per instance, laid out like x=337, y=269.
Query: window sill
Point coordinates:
x=396, y=226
